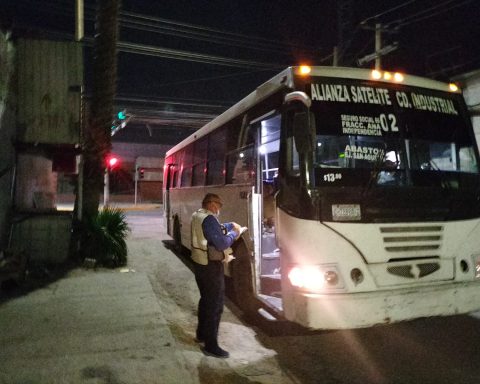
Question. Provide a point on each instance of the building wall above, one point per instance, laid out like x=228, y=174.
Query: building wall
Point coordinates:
x=7, y=134
x=46, y=132
x=50, y=78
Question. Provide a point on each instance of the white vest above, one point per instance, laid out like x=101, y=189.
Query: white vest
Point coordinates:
x=199, y=242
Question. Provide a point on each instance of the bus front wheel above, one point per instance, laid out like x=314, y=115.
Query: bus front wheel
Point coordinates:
x=242, y=278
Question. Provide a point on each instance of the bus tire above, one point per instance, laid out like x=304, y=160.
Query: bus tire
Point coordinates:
x=177, y=236
x=242, y=278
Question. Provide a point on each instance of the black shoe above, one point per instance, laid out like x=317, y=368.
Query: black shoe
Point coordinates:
x=216, y=352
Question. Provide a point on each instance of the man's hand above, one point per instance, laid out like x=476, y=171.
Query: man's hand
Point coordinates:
x=237, y=228
x=228, y=258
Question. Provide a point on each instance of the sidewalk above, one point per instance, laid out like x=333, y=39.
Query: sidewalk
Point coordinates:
x=102, y=327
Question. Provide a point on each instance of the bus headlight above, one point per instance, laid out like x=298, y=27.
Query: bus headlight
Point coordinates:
x=315, y=278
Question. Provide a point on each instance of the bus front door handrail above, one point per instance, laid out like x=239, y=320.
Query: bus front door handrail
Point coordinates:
x=249, y=210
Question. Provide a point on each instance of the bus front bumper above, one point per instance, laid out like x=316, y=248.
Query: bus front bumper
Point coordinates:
x=358, y=310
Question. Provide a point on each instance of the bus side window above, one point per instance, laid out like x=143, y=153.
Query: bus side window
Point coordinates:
x=216, y=158
x=199, y=162
x=186, y=167
x=186, y=177
x=173, y=177
x=240, y=166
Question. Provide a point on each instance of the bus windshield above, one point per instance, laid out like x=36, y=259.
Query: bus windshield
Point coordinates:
x=378, y=153
x=389, y=127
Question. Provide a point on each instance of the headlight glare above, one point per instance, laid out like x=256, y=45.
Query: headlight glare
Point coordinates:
x=314, y=278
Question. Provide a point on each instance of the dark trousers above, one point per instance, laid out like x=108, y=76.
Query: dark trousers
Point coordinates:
x=211, y=283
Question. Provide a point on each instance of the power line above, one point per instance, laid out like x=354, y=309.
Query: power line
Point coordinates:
x=377, y=17
x=427, y=12
x=191, y=31
x=212, y=78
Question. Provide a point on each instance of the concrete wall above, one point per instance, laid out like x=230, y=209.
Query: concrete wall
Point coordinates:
x=50, y=79
x=36, y=183
x=44, y=237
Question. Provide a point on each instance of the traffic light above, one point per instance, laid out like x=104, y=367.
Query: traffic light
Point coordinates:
x=121, y=115
x=120, y=121
x=112, y=161
x=141, y=173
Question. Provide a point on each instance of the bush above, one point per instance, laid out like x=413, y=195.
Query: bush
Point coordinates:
x=105, y=238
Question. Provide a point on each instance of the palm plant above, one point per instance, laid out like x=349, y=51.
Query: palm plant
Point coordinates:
x=106, y=238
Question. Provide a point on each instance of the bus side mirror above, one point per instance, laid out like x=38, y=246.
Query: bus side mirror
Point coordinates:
x=303, y=130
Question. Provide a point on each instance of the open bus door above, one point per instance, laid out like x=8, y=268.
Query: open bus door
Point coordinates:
x=265, y=261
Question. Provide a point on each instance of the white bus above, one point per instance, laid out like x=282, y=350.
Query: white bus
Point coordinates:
x=360, y=190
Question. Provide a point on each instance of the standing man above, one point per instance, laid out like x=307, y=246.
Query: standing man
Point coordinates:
x=209, y=241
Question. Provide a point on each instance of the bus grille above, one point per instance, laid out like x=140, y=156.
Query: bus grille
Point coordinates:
x=411, y=241
x=415, y=270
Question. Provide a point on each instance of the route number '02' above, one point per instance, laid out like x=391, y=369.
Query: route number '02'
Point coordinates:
x=331, y=177
x=388, y=122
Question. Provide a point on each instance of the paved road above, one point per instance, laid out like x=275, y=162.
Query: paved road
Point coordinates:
x=437, y=350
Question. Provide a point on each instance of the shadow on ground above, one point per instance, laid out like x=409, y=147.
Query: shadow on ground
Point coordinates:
x=37, y=276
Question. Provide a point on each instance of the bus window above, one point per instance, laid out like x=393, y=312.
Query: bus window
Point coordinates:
x=198, y=174
x=186, y=177
x=199, y=162
x=174, y=176
x=215, y=172
x=269, y=147
x=216, y=158
x=240, y=166
x=430, y=155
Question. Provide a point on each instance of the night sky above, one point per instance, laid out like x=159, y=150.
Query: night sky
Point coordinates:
x=254, y=39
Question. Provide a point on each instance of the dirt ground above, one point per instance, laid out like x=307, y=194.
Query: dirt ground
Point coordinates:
x=174, y=285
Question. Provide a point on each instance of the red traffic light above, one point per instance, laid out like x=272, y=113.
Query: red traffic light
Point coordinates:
x=112, y=161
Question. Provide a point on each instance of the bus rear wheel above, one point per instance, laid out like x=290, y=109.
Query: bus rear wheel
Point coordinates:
x=177, y=236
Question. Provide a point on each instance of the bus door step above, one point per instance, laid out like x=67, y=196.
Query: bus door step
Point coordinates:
x=266, y=315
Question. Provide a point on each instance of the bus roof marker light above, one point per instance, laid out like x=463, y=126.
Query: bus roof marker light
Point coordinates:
x=453, y=87
x=387, y=76
x=376, y=74
x=305, y=70
x=398, y=77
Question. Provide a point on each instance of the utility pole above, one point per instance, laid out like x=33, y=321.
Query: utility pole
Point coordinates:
x=379, y=49
x=79, y=20
x=345, y=30
x=97, y=141
x=378, y=44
